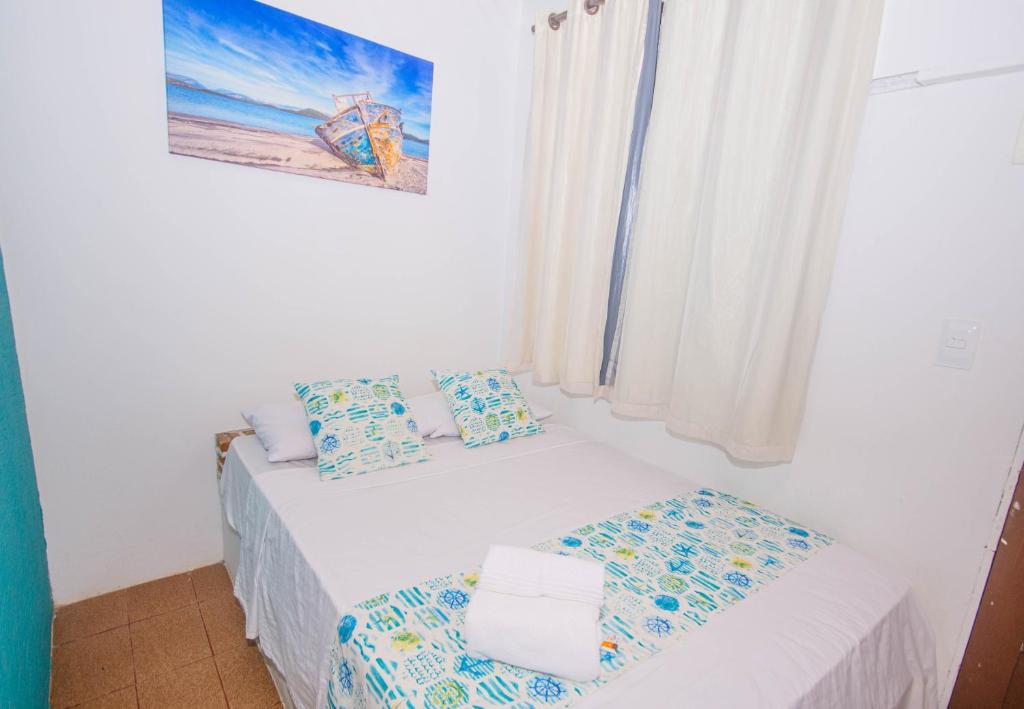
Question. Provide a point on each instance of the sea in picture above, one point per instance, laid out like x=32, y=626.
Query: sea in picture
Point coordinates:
x=253, y=85
x=207, y=104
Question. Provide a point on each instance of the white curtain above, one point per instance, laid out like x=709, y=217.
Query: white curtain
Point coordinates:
x=584, y=89
x=757, y=109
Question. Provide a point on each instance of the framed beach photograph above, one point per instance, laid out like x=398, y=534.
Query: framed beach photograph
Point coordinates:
x=253, y=85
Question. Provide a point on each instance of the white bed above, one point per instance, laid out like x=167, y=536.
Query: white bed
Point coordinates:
x=836, y=631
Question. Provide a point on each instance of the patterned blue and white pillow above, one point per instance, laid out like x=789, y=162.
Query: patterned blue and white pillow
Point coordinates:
x=487, y=406
x=360, y=425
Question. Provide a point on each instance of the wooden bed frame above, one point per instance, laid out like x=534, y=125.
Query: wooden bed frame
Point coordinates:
x=223, y=442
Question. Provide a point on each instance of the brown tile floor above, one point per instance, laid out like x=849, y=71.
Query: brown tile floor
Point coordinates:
x=174, y=642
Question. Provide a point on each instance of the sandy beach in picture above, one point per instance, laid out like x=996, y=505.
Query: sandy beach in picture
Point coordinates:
x=225, y=141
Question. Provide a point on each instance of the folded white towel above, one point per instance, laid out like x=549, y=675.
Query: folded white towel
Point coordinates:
x=525, y=572
x=538, y=611
x=548, y=635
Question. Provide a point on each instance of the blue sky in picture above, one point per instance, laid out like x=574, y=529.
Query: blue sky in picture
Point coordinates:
x=275, y=57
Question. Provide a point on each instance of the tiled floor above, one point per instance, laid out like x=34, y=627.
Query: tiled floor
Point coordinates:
x=175, y=642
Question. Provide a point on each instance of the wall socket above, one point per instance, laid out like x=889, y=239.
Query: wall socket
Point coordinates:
x=958, y=343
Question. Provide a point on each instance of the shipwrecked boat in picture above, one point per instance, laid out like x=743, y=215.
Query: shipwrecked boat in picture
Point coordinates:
x=365, y=134
x=253, y=85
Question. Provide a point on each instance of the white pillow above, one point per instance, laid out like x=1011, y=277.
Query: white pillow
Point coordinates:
x=539, y=411
x=431, y=413
x=446, y=426
x=283, y=430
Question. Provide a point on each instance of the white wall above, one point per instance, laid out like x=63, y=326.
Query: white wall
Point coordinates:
x=155, y=295
x=900, y=459
x=944, y=35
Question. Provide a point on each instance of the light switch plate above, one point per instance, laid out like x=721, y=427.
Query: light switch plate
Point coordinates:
x=958, y=343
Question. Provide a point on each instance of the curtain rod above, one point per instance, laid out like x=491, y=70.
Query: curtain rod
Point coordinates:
x=555, y=19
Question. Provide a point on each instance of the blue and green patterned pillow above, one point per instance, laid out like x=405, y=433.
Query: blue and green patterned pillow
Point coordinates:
x=487, y=406
x=360, y=425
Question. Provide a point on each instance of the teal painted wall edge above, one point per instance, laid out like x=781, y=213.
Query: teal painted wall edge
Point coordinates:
x=26, y=603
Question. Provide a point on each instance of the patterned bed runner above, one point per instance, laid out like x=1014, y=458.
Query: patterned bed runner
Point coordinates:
x=670, y=567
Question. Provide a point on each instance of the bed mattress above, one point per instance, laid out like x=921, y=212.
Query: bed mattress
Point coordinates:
x=835, y=631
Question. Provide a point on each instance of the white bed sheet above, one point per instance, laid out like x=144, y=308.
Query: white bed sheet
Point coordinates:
x=835, y=631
